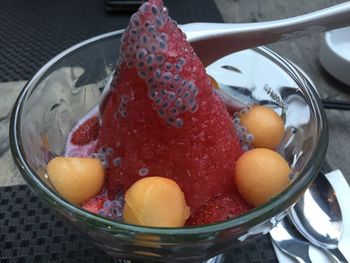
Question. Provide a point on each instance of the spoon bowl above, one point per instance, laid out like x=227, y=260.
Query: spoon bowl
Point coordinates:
x=288, y=239
x=318, y=217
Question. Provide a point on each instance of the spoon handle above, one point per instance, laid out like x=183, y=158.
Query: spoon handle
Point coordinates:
x=334, y=104
x=337, y=255
x=214, y=40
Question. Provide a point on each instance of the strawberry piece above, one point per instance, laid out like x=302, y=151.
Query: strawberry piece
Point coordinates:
x=217, y=209
x=162, y=117
x=95, y=204
x=86, y=132
x=102, y=205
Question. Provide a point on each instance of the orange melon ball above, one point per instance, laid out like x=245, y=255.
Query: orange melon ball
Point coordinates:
x=76, y=179
x=265, y=125
x=260, y=175
x=155, y=201
x=214, y=83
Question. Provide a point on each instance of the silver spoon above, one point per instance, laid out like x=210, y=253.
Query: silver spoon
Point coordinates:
x=215, y=40
x=318, y=217
x=287, y=238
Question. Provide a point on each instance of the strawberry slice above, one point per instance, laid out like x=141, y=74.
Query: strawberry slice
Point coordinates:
x=162, y=116
x=95, y=204
x=104, y=206
x=219, y=208
x=86, y=132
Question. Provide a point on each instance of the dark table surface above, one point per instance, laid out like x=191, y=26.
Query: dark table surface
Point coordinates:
x=32, y=32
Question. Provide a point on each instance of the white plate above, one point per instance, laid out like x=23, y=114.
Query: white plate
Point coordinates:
x=335, y=54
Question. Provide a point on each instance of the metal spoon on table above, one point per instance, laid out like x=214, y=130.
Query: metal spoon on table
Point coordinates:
x=318, y=217
x=287, y=238
x=215, y=40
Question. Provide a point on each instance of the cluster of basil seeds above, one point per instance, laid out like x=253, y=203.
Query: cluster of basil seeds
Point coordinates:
x=144, y=46
x=245, y=138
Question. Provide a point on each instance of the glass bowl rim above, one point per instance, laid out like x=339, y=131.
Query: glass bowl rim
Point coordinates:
x=277, y=204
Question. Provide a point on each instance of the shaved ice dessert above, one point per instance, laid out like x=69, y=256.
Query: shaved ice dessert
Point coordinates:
x=161, y=118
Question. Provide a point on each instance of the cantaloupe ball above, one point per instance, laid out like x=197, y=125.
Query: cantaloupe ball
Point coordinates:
x=265, y=125
x=155, y=201
x=260, y=175
x=76, y=179
x=214, y=83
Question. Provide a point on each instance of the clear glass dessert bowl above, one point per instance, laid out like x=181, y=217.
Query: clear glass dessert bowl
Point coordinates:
x=71, y=84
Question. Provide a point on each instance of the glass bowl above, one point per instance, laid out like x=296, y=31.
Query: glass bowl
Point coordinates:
x=71, y=84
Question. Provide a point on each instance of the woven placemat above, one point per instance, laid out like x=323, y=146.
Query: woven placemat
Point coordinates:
x=32, y=32
x=31, y=231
